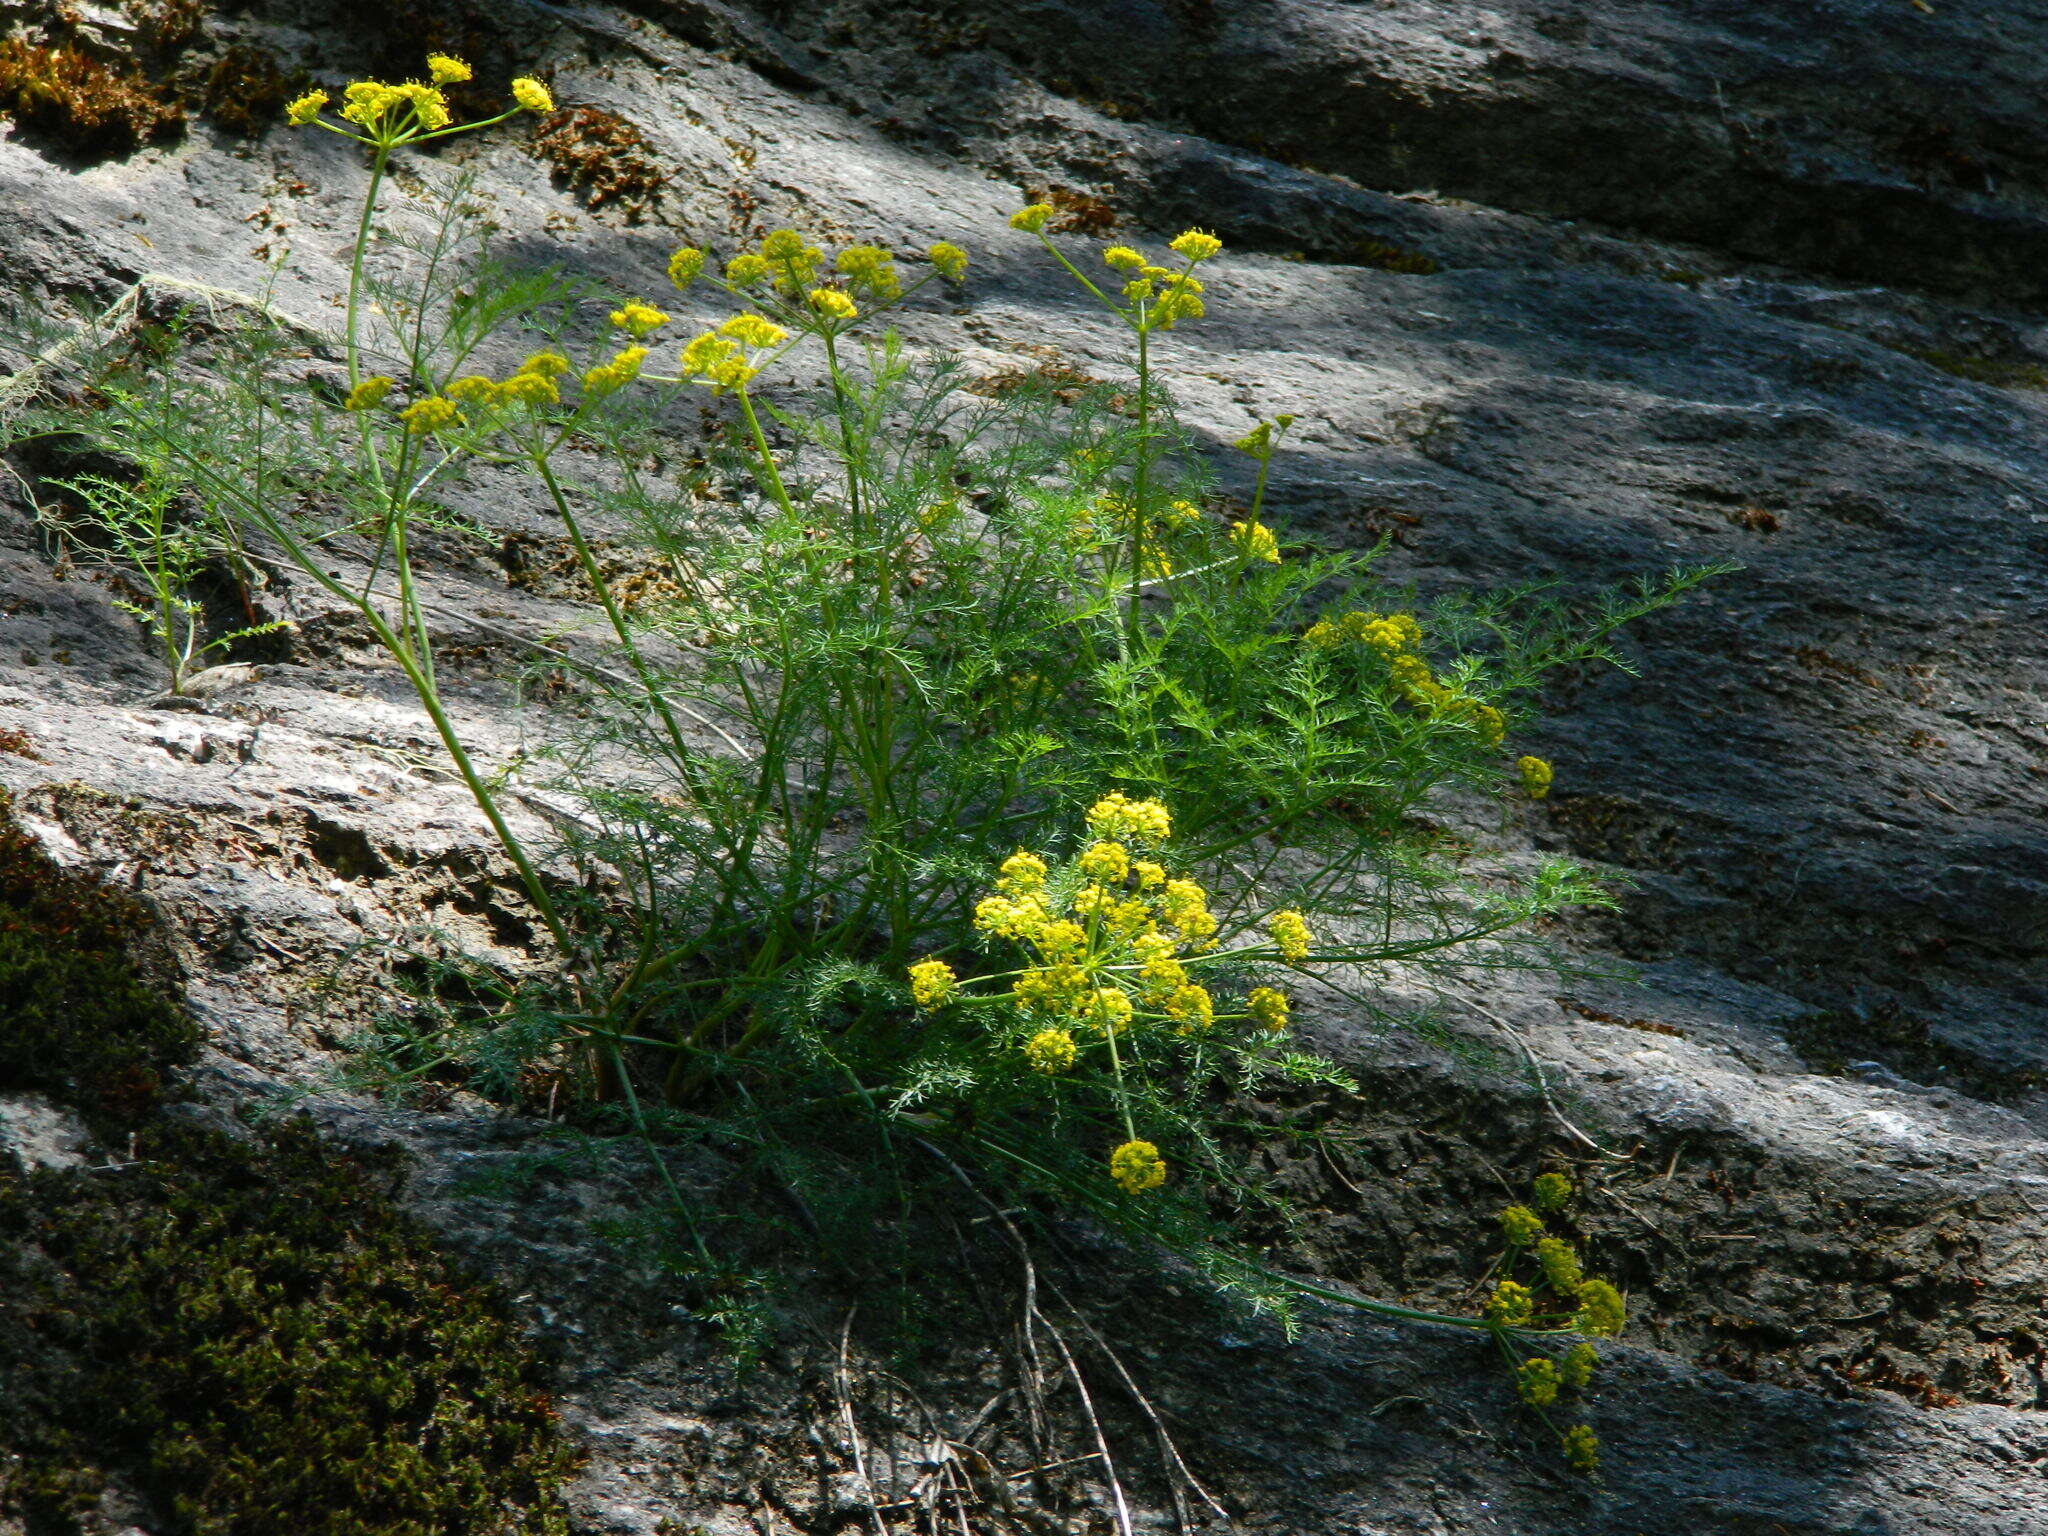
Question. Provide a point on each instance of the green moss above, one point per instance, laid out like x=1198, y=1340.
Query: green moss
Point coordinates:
x=246, y=89
x=2004, y=372
x=87, y=107
x=86, y=1021
x=252, y=1336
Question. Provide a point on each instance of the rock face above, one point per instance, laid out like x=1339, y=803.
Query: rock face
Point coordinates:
x=1798, y=332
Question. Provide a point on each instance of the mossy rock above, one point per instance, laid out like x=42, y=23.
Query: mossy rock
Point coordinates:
x=83, y=989
x=252, y=1336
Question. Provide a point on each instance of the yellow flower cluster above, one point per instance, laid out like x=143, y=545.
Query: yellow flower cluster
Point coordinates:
x=948, y=259
x=1255, y=541
x=833, y=304
x=1268, y=1008
x=1520, y=1225
x=1577, y=1366
x=685, y=265
x=368, y=393
x=532, y=95
x=1290, y=933
x=932, y=983
x=1559, y=1262
x=1194, y=245
x=444, y=70
x=377, y=107
x=1050, y=1051
x=1132, y=821
x=1033, y=218
x=1582, y=1449
x=301, y=110
x=1536, y=776
x=1137, y=1166
x=1537, y=1381
x=1552, y=1191
x=1511, y=1305
x=1601, y=1312
x=1259, y=441
x=623, y=369
x=872, y=271
x=638, y=320
x=1398, y=637
x=436, y=413
x=719, y=359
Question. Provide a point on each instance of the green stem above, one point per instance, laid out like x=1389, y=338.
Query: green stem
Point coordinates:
x=355, y=266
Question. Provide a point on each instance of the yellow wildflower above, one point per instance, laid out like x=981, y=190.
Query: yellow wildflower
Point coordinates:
x=932, y=983
x=782, y=245
x=833, y=304
x=1268, y=1008
x=638, y=320
x=871, y=269
x=1323, y=636
x=1127, y=918
x=1107, y=862
x=1033, y=218
x=1132, y=821
x=1195, y=245
x=1290, y=932
x=1010, y=919
x=1412, y=676
x=473, y=389
x=1050, y=1051
x=622, y=370
x=549, y=365
x=1552, y=1191
x=1191, y=1007
x=303, y=109
x=1536, y=776
x=1577, y=1366
x=1021, y=874
x=1186, y=905
x=1511, y=1305
x=443, y=70
x=950, y=260
x=1139, y=290
x=532, y=95
x=1582, y=1448
x=1052, y=989
x=1137, y=1167
x=1150, y=876
x=1259, y=441
x=1109, y=1010
x=1560, y=1265
x=753, y=331
x=365, y=102
x=428, y=105
x=1492, y=727
x=1255, y=541
x=1537, y=1381
x=1601, y=1309
x=1060, y=939
x=1177, y=306
x=1123, y=257
x=685, y=265
x=530, y=389
x=433, y=414
x=1520, y=1225
x=746, y=269
x=369, y=392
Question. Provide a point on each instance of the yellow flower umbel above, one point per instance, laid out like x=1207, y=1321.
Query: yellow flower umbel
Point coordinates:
x=1536, y=776
x=368, y=393
x=932, y=983
x=948, y=260
x=1520, y=1226
x=1552, y=1191
x=532, y=95
x=1122, y=819
x=433, y=414
x=1137, y=1166
x=385, y=115
x=1195, y=245
x=834, y=305
x=638, y=320
x=1602, y=1312
x=443, y=70
x=685, y=265
x=1022, y=874
x=872, y=273
x=301, y=110
x=1577, y=1366
x=1582, y=1449
x=1511, y=1305
x=1290, y=934
x=1268, y=1008
x=608, y=378
x=1050, y=1051
x=1255, y=541
x=1033, y=218
x=1537, y=1382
